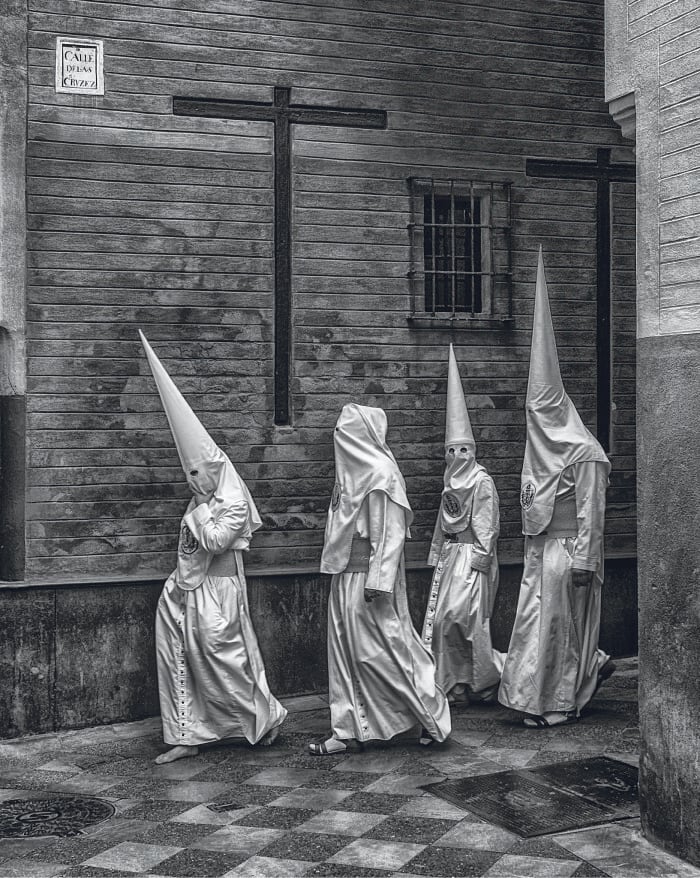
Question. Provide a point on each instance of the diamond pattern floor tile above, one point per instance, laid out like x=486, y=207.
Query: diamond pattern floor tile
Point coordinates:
x=357, y=814
x=132, y=856
x=372, y=853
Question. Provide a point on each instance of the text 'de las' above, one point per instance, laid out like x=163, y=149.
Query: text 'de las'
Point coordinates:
x=79, y=67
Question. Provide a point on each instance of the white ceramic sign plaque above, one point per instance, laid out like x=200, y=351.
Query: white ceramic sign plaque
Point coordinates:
x=79, y=67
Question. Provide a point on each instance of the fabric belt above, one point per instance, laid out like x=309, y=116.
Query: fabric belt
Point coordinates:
x=464, y=536
x=358, y=562
x=223, y=565
x=559, y=534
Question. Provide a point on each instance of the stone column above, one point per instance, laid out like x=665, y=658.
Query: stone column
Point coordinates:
x=13, y=270
x=648, y=58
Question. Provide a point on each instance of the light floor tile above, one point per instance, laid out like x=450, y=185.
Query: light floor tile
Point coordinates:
x=243, y=839
x=314, y=800
x=478, y=836
x=22, y=868
x=203, y=815
x=432, y=806
x=401, y=784
x=371, y=763
x=61, y=766
x=130, y=856
x=471, y=739
x=341, y=823
x=623, y=852
x=372, y=854
x=532, y=867
x=183, y=769
x=193, y=791
x=88, y=783
x=268, y=867
x=455, y=765
x=509, y=757
x=284, y=777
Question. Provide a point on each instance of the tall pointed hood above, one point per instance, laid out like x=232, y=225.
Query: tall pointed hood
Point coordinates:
x=556, y=435
x=207, y=469
x=458, y=428
x=462, y=472
x=194, y=444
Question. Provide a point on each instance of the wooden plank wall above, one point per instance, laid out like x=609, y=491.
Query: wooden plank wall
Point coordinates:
x=141, y=219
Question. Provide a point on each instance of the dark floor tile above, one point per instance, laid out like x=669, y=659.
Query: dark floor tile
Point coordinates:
x=157, y=811
x=228, y=772
x=445, y=861
x=585, y=870
x=252, y=794
x=277, y=818
x=178, y=834
x=416, y=830
x=341, y=780
x=14, y=848
x=372, y=803
x=93, y=872
x=70, y=850
x=339, y=869
x=305, y=846
x=206, y=864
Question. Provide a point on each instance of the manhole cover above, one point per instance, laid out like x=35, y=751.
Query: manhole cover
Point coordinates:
x=65, y=816
x=601, y=780
x=553, y=798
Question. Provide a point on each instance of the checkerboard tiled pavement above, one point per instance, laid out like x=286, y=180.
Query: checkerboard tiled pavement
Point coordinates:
x=352, y=814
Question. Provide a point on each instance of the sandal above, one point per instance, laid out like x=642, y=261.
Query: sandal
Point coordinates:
x=320, y=748
x=541, y=722
x=425, y=739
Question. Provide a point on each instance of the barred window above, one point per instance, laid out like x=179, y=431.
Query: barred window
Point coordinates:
x=460, y=253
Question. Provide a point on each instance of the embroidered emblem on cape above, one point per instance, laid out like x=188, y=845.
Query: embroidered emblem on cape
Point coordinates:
x=188, y=542
x=452, y=505
x=335, y=496
x=527, y=495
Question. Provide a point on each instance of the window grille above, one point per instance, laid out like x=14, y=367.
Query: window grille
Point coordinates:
x=460, y=249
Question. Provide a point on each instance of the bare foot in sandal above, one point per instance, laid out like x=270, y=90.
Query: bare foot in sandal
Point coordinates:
x=550, y=719
x=327, y=748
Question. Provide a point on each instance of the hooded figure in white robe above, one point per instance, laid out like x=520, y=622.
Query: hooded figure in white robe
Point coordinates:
x=463, y=551
x=211, y=677
x=381, y=676
x=554, y=665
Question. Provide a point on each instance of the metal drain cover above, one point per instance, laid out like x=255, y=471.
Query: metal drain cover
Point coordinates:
x=553, y=798
x=65, y=816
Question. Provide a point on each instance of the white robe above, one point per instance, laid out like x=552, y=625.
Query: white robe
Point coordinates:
x=211, y=676
x=553, y=659
x=381, y=677
x=457, y=621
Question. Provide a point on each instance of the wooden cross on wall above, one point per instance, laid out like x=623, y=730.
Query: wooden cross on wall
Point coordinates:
x=283, y=115
x=604, y=173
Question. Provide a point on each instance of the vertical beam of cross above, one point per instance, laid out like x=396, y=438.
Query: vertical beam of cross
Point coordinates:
x=604, y=173
x=283, y=115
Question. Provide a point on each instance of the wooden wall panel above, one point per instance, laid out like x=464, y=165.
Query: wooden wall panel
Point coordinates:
x=141, y=219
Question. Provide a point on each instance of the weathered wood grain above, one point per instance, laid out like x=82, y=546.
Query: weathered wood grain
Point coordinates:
x=141, y=219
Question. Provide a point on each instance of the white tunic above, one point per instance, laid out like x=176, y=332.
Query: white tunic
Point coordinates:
x=211, y=676
x=381, y=677
x=457, y=621
x=553, y=659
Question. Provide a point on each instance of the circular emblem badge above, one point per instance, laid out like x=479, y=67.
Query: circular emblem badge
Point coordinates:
x=188, y=543
x=335, y=496
x=451, y=504
x=527, y=495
